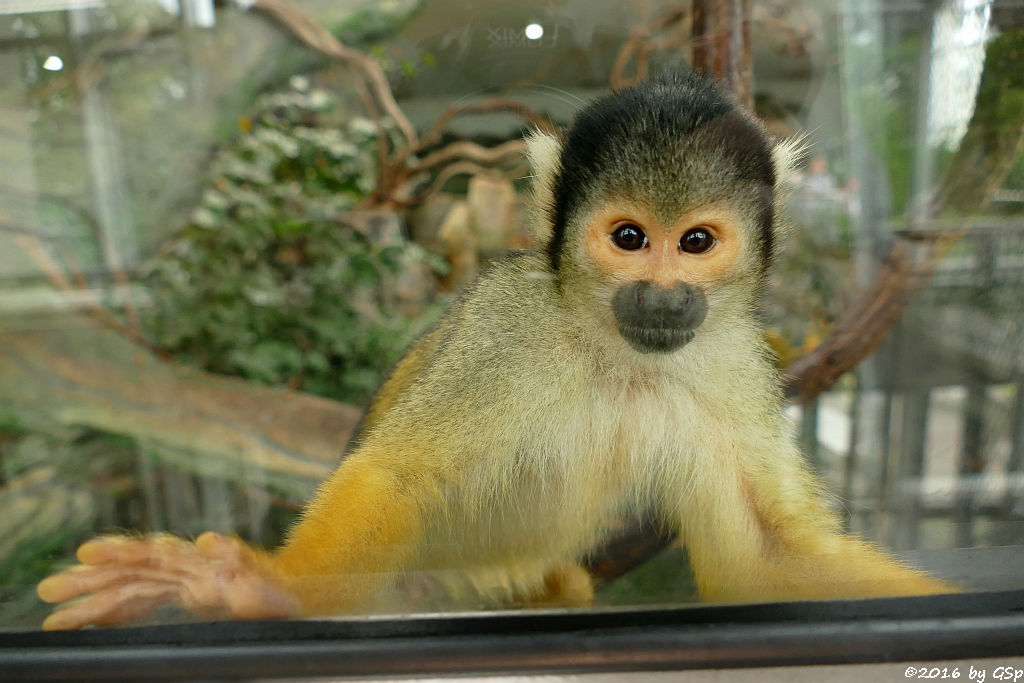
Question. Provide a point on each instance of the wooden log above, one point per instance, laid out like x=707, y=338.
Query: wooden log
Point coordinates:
x=73, y=372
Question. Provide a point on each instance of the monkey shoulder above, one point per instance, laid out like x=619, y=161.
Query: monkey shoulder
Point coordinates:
x=511, y=310
x=501, y=342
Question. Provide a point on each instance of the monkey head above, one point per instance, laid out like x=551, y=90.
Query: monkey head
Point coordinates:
x=659, y=206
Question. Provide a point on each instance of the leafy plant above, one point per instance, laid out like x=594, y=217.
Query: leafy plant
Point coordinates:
x=269, y=281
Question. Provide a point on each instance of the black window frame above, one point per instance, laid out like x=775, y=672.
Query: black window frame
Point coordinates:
x=922, y=628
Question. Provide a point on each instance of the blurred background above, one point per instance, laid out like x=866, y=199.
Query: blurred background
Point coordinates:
x=222, y=222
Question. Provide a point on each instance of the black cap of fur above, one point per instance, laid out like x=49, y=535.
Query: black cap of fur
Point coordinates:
x=674, y=143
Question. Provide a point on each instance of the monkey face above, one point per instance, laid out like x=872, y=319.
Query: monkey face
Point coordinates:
x=659, y=211
x=661, y=270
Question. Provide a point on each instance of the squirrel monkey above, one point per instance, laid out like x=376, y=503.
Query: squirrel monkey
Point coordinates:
x=620, y=365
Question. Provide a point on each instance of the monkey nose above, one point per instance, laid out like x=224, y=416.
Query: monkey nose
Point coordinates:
x=652, y=298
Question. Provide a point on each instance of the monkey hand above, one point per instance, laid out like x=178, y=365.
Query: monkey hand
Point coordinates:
x=121, y=579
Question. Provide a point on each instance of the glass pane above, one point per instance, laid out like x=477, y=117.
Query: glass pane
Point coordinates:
x=219, y=233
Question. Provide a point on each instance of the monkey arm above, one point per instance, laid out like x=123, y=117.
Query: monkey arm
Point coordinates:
x=363, y=527
x=353, y=537
x=760, y=531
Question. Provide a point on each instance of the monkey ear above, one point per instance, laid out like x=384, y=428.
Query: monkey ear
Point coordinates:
x=787, y=154
x=544, y=150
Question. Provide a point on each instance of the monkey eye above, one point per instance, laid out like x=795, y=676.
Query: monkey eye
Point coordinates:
x=697, y=241
x=629, y=237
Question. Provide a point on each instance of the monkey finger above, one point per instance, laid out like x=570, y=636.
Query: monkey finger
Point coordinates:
x=84, y=579
x=216, y=546
x=160, y=551
x=112, y=606
x=62, y=586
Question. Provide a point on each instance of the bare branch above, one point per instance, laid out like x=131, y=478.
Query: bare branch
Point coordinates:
x=470, y=151
x=993, y=142
x=393, y=174
x=318, y=38
x=638, y=44
x=463, y=168
x=485, y=107
x=863, y=327
x=721, y=45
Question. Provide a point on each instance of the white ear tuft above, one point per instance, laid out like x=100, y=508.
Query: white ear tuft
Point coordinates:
x=787, y=155
x=544, y=150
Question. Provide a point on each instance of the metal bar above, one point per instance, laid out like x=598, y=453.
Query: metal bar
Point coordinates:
x=913, y=436
x=1015, y=465
x=850, y=463
x=972, y=462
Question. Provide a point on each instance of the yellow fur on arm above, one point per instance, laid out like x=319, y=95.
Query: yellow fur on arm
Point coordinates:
x=767, y=535
x=354, y=538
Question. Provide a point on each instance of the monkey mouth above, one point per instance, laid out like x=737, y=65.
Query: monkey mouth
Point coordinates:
x=657, y=339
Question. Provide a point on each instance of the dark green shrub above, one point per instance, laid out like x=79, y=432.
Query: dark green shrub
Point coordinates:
x=268, y=281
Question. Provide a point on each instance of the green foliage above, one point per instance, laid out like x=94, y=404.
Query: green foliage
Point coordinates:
x=376, y=28
x=1015, y=178
x=375, y=23
x=888, y=106
x=10, y=423
x=267, y=282
x=664, y=579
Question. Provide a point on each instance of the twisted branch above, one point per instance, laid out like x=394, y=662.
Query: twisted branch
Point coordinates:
x=321, y=40
x=396, y=173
